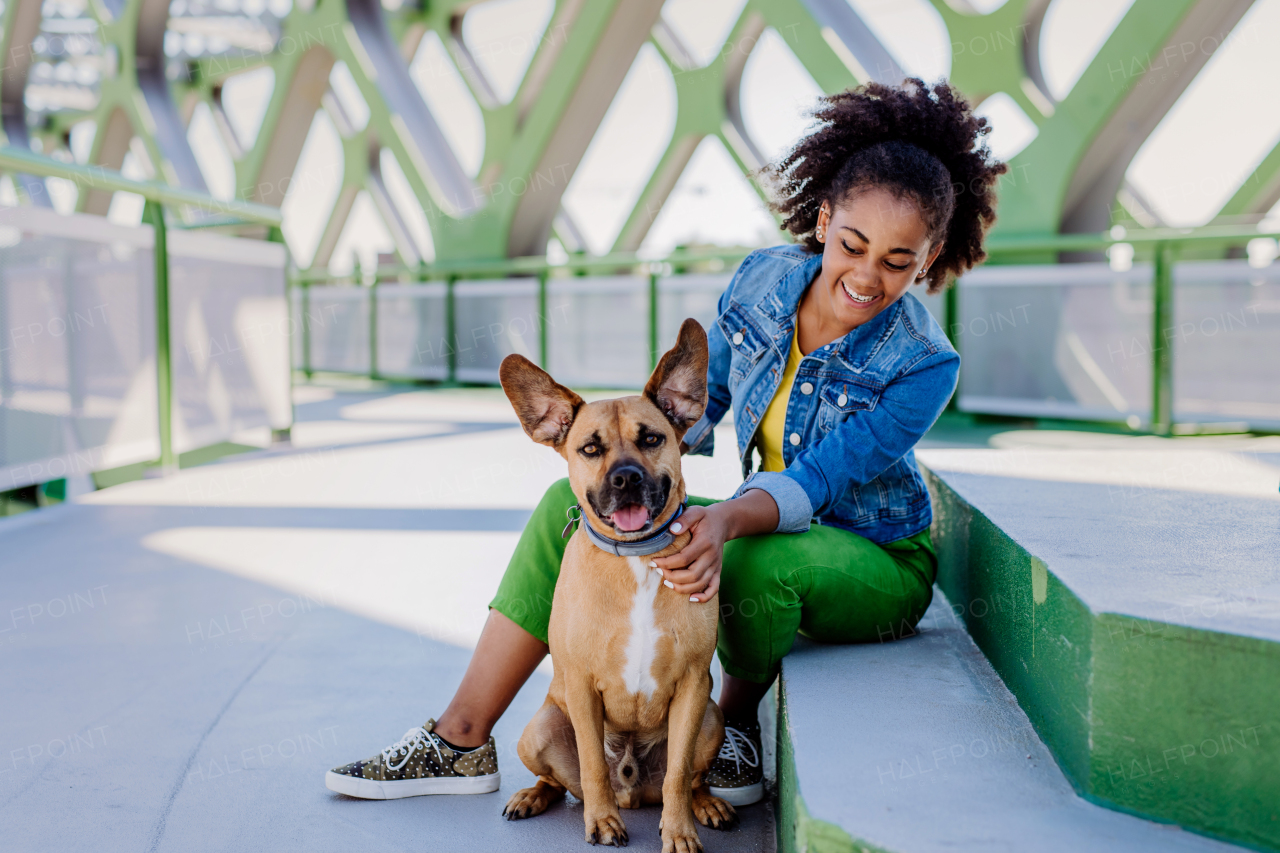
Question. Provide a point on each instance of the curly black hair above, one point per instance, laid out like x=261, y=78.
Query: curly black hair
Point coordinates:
x=921, y=143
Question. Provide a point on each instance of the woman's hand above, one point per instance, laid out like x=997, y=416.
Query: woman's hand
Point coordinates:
x=695, y=570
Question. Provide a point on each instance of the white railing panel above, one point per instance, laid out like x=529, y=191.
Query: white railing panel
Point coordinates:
x=411, y=331
x=599, y=331
x=1067, y=340
x=1226, y=343
x=77, y=356
x=492, y=320
x=230, y=330
x=683, y=296
x=337, y=321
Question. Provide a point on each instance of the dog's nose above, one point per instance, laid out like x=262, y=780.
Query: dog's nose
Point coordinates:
x=625, y=475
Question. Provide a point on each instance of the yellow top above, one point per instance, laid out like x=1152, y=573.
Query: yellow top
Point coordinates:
x=775, y=417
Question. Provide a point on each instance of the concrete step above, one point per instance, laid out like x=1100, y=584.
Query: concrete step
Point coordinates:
x=1130, y=599
x=917, y=745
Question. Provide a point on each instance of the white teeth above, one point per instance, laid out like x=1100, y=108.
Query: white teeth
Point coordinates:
x=855, y=297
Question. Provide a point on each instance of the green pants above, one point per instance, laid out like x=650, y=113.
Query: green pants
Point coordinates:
x=831, y=585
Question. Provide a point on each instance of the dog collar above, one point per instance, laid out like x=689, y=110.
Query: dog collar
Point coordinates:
x=651, y=544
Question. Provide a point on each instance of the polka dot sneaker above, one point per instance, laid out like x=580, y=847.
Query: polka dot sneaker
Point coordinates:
x=736, y=774
x=419, y=763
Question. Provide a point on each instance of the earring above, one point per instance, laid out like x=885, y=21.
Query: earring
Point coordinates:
x=920, y=275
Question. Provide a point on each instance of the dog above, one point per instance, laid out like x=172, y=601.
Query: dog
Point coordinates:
x=628, y=720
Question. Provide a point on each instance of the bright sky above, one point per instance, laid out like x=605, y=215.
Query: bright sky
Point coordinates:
x=712, y=202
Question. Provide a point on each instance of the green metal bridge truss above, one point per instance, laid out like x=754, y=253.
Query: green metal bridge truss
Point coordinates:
x=129, y=73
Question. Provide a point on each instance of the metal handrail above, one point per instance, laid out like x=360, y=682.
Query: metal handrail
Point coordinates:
x=1205, y=235
x=997, y=248
x=530, y=265
x=14, y=159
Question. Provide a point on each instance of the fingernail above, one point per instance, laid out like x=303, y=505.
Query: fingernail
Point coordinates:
x=668, y=584
x=693, y=598
x=677, y=527
x=652, y=564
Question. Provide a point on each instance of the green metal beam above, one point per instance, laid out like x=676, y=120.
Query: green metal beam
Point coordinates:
x=989, y=54
x=525, y=139
x=1259, y=192
x=1033, y=195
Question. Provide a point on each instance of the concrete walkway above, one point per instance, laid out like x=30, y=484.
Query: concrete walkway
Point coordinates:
x=182, y=659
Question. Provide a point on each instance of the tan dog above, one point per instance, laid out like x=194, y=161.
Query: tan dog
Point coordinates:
x=628, y=720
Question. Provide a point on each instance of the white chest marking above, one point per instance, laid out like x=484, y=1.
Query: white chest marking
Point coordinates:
x=642, y=647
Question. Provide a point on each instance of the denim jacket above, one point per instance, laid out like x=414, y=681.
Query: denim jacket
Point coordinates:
x=858, y=405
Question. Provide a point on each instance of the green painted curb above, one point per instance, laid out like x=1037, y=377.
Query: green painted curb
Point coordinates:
x=799, y=831
x=1175, y=724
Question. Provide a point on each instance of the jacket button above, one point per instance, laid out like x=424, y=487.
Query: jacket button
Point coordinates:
x=806, y=388
x=737, y=339
x=841, y=400
x=795, y=439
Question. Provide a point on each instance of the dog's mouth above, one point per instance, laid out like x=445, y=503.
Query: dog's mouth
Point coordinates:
x=633, y=512
x=630, y=518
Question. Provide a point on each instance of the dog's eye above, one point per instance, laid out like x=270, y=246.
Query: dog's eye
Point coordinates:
x=591, y=450
x=651, y=440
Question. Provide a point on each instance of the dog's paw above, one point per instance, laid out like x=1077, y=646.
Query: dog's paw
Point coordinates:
x=527, y=802
x=608, y=830
x=682, y=840
x=712, y=811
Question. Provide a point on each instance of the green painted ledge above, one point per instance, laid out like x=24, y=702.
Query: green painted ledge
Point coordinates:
x=1174, y=724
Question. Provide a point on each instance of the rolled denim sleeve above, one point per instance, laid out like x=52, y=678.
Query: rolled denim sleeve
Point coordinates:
x=794, y=506
x=861, y=447
x=700, y=438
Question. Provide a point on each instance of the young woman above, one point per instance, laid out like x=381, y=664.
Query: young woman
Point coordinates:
x=833, y=371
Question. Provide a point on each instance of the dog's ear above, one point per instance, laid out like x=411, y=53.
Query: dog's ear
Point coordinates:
x=678, y=385
x=546, y=408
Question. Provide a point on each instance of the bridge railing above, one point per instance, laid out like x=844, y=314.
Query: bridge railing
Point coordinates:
x=1147, y=338
x=129, y=344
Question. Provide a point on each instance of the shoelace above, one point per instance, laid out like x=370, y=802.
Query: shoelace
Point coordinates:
x=413, y=740
x=732, y=749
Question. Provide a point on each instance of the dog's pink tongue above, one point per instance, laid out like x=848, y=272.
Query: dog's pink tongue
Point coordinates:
x=630, y=518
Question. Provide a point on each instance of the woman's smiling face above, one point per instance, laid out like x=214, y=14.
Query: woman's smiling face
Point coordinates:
x=876, y=245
